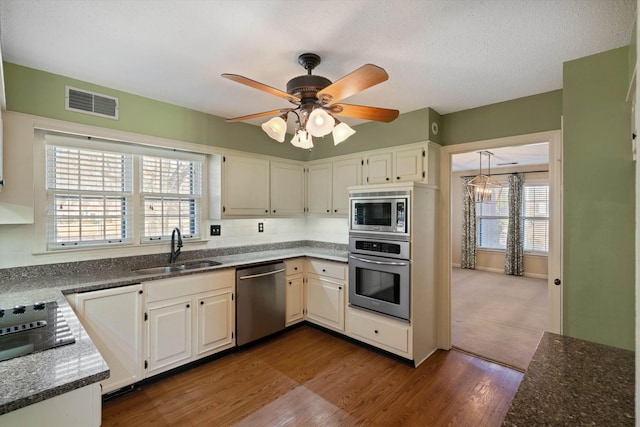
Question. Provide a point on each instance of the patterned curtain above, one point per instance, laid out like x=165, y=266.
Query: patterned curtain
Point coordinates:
x=514, y=264
x=468, y=256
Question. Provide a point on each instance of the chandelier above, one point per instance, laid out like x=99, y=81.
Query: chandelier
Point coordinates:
x=311, y=120
x=480, y=187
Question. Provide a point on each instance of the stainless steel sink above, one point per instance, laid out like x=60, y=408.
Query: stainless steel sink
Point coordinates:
x=187, y=266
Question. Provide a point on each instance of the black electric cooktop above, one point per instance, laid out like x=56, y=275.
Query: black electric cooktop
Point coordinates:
x=26, y=329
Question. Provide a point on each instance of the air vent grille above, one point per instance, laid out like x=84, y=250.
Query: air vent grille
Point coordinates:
x=83, y=101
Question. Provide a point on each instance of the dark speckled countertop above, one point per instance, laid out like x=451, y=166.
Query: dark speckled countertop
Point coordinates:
x=572, y=382
x=39, y=376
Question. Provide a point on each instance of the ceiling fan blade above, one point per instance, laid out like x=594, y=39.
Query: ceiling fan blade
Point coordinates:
x=260, y=86
x=364, y=77
x=256, y=115
x=362, y=112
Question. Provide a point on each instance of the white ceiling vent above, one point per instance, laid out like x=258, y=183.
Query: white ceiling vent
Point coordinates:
x=83, y=101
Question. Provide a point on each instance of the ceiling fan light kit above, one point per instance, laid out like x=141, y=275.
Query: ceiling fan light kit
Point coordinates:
x=314, y=98
x=275, y=128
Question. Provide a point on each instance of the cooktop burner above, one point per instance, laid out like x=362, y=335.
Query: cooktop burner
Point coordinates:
x=26, y=329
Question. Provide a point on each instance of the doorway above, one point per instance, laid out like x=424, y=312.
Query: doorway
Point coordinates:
x=553, y=293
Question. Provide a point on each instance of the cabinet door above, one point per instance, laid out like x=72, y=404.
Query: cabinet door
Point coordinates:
x=246, y=186
x=113, y=320
x=345, y=173
x=169, y=334
x=379, y=168
x=408, y=164
x=319, y=189
x=295, y=299
x=287, y=189
x=215, y=323
x=325, y=302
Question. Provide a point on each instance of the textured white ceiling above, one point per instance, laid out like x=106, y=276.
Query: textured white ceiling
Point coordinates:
x=450, y=55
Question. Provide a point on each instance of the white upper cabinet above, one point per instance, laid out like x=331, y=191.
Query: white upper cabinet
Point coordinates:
x=408, y=164
x=245, y=186
x=287, y=189
x=346, y=173
x=379, y=168
x=319, y=189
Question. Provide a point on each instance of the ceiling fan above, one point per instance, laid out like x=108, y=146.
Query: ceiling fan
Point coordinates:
x=316, y=101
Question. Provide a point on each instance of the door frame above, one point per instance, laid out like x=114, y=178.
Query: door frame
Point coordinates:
x=554, y=138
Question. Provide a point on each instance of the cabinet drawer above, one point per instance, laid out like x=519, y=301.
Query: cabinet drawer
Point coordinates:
x=379, y=330
x=173, y=287
x=294, y=266
x=335, y=270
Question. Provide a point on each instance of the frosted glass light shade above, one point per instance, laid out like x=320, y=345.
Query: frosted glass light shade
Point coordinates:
x=302, y=140
x=341, y=132
x=275, y=128
x=320, y=123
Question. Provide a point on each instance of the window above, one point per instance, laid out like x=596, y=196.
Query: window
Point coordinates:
x=104, y=193
x=171, y=197
x=89, y=197
x=536, y=218
x=493, y=219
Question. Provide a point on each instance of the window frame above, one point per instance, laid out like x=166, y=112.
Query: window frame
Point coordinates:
x=44, y=138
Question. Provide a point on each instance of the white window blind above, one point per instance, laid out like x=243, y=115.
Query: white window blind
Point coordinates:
x=493, y=220
x=89, y=193
x=536, y=218
x=171, y=190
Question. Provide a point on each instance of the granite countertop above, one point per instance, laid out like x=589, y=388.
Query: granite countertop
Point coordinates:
x=575, y=382
x=39, y=376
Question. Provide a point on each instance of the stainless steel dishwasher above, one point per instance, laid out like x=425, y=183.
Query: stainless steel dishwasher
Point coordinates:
x=261, y=301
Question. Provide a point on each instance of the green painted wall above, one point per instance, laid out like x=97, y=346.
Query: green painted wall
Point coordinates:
x=40, y=93
x=536, y=113
x=599, y=200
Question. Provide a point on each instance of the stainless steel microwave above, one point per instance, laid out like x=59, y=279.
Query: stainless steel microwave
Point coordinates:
x=379, y=213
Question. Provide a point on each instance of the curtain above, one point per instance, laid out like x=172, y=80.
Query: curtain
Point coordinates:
x=514, y=264
x=468, y=256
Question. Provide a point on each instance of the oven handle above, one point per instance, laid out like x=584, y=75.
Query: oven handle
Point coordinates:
x=378, y=262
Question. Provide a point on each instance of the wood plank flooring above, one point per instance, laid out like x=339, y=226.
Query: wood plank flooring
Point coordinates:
x=306, y=377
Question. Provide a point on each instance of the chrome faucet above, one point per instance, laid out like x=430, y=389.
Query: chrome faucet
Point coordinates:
x=175, y=252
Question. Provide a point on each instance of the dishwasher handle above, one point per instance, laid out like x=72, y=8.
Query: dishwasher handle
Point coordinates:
x=268, y=273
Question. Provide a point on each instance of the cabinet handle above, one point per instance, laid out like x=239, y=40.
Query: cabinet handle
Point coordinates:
x=328, y=210
x=340, y=287
x=140, y=291
x=188, y=305
x=335, y=210
x=375, y=331
x=387, y=178
x=201, y=302
x=274, y=211
x=324, y=271
x=295, y=268
x=289, y=283
x=266, y=211
x=398, y=178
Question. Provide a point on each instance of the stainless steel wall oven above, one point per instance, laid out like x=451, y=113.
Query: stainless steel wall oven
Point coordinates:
x=379, y=274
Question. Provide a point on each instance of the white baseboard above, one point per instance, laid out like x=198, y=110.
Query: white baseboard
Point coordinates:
x=497, y=270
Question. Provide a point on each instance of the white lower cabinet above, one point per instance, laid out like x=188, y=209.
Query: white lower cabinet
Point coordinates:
x=294, y=271
x=326, y=293
x=113, y=318
x=189, y=317
x=380, y=331
x=169, y=333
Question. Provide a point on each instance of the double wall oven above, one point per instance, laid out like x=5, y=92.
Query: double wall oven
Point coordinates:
x=379, y=252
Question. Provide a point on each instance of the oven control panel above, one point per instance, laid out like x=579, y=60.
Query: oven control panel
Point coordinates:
x=373, y=246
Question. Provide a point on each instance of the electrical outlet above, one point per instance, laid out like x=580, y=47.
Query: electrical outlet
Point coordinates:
x=215, y=230
x=260, y=227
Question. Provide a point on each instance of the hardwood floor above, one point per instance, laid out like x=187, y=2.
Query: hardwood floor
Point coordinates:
x=306, y=377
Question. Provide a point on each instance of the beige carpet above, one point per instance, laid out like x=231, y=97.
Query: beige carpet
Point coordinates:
x=498, y=317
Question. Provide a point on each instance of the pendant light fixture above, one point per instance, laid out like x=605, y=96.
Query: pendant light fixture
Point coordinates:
x=480, y=187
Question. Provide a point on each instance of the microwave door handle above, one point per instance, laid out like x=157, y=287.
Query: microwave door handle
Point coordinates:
x=378, y=262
